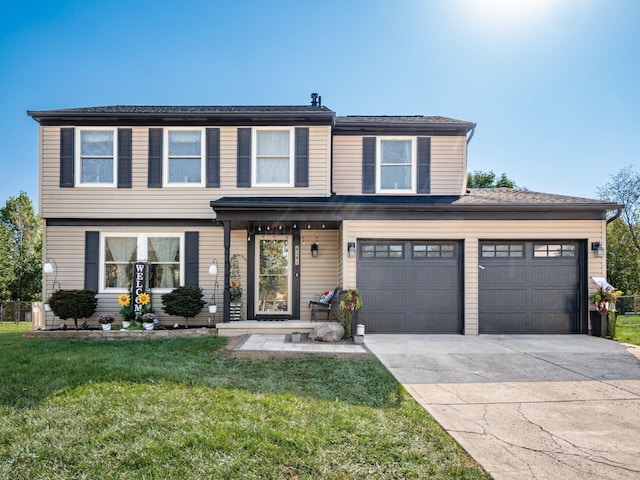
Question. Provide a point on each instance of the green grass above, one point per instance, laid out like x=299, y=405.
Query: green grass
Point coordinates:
x=628, y=329
x=180, y=408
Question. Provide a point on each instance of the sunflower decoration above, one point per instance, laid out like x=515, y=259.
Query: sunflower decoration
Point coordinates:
x=124, y=300
x=144, y=299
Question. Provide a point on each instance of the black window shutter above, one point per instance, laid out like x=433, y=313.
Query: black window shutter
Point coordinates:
x=91, y=260
x=191, y=254
x=424, y=165
x=302, y=157
x=155, y=158
x=369, y=165
x=124, y=158
x=244, y=157
x=66, y=157
x=213, y=157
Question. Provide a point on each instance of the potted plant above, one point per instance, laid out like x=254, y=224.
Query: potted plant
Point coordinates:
x=235, y=290
x=295, y=337
x=105, y=319
x=149, y=320
x=350, y=303
x=185, y=301
x=126, y=310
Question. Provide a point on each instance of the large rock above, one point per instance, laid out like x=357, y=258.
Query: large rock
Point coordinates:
x=328, y=332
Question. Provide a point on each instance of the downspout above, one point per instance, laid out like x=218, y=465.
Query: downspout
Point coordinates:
x=616, y=216
x=333, y=124
x=473, y=131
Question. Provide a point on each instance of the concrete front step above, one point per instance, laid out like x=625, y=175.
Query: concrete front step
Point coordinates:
x=233, y=329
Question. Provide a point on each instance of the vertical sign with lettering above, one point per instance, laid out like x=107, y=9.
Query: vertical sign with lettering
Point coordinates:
x=139, y=286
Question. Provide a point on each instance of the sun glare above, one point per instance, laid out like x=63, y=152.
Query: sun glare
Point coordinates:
x=509, y=14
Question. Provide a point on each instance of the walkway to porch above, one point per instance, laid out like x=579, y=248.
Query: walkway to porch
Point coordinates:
x=245, y=327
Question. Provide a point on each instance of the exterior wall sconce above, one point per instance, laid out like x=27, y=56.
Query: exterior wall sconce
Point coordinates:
x=351, y=249
x=314, y=249
x=597, y=249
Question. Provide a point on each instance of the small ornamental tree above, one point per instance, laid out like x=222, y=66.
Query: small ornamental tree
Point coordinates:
x=73, y=304
x=184, y=302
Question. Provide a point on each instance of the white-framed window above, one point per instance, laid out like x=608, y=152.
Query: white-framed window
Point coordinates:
x=96, y=157
x=163, y=252
x=396, y=170
x=273, y=157
x=184, y=153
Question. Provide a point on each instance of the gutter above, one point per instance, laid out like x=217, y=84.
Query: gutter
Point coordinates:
x=616, y=216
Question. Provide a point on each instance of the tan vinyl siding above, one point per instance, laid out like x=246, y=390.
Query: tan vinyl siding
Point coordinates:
x=167, y=202
x=448, y=165
x=347, y=165
x=471, y=232
x=318, y=274
x=66, y=246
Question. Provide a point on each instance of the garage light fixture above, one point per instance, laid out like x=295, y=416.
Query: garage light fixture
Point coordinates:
x=597, y=249
x=351, y=249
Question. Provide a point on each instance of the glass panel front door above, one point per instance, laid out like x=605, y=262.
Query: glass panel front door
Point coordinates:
x=274, y=275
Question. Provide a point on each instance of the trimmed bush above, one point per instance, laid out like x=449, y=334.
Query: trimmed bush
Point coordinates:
x=184, y=302
x=73, y=304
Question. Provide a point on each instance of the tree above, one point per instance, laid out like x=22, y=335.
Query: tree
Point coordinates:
x=623, y=234
x=73, y=304
x=479, y=179
x=20, y=250
x=184, y=302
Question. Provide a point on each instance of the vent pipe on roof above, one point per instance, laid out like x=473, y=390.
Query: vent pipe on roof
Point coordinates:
x=316, y=100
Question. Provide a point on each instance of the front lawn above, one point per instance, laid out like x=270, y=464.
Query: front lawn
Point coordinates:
x=182, y=408
x=628, y=329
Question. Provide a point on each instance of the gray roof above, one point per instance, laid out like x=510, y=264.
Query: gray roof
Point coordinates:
x=178, y=109
x=399, y=119
x=478, y=204
x=510, y=196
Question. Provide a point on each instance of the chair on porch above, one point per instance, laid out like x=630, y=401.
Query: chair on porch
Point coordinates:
x=326, y=304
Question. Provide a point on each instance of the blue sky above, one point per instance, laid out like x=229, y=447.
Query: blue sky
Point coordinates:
x=554, y=85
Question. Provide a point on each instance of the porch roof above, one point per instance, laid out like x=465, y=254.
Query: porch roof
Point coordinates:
x=477, y=204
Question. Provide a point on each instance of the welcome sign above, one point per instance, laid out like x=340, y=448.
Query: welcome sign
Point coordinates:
x=140, y=286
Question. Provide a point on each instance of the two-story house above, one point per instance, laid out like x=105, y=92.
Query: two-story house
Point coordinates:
x=305, y=201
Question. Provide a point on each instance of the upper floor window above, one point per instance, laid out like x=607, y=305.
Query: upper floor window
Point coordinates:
x=273, y=157
x=163, y=253
x=396, y=165
x=96, y=163
x=183, y=160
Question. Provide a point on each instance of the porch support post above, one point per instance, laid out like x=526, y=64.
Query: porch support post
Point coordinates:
x=227, y=260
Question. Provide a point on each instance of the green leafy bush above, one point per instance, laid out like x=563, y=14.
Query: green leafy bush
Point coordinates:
x=73, y=304
x=184, y=302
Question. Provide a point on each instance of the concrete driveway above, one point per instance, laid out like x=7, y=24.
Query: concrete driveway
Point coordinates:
x=524, y=406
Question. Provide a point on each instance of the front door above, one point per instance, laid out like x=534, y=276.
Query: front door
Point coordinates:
x=273, y=284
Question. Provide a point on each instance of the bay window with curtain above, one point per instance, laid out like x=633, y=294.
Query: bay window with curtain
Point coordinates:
x=163, y=252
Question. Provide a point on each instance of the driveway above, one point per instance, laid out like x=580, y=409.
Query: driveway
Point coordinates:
x=527, y=406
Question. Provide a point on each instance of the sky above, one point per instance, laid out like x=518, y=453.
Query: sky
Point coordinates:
x=553, y=85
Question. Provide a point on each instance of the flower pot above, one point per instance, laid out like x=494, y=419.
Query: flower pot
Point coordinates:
x=213, y=308
x=148, y=325
x=295, y=337
x=106, y=326
x=126, y=324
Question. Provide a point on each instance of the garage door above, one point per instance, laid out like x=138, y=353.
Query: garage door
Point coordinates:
x=410, y=286
x=529, y=287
